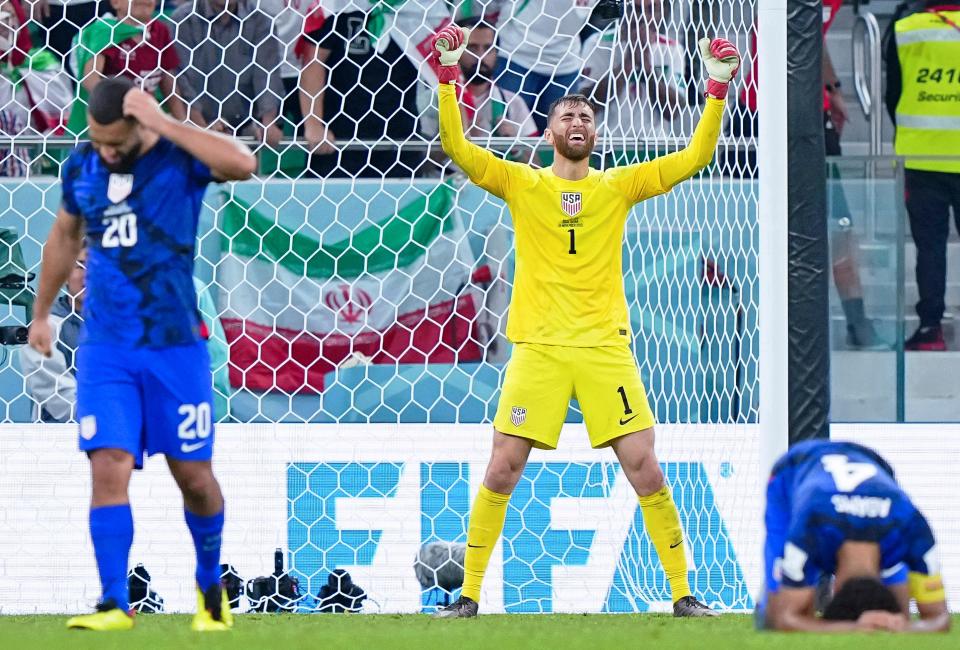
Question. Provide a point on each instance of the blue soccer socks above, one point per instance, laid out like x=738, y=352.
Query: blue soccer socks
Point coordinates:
x=207, y=533
x=111, y=528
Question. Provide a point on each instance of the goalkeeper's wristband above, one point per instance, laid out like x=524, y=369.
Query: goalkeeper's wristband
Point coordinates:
x=448, y=74
x=717, y=89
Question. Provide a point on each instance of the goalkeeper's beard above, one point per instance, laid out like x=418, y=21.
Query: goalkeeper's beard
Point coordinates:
x=575, y=152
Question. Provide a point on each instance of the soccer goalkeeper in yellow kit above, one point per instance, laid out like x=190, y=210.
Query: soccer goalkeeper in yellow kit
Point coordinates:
x=568, y=316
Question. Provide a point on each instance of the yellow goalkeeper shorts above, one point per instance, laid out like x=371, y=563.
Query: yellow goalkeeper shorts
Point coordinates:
x=540, y=380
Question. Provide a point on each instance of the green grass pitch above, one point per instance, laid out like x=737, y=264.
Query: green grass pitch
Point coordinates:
x=540, y=632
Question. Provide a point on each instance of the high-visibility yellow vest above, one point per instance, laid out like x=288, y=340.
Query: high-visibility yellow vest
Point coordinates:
x=928, y=113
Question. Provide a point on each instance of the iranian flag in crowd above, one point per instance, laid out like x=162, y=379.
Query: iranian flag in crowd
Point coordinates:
x=396, y=291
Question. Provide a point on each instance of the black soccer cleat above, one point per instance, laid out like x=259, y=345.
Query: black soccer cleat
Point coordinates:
x=688, y=606
x=213, y=602
x=213, y=611
x=463, y=608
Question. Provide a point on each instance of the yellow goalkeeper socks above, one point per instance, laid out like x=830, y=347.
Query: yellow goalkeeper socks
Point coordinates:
x=663, y=525
x=486, y=523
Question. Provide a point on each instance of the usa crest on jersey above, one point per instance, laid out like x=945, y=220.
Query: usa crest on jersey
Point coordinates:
x=571, y=202
x=119, y=187
x=518, y=415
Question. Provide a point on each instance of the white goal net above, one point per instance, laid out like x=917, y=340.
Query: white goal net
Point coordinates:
x=356, y=294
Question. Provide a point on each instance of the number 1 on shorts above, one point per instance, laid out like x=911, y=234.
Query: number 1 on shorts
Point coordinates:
x=626, y=405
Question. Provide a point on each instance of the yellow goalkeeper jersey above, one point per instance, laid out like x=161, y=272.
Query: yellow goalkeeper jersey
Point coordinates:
x=568, y=282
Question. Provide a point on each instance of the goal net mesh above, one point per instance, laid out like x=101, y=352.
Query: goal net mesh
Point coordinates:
x=358, y=287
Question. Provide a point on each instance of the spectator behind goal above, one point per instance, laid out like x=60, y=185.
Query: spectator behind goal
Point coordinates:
x=493, y=110
x=60, y=20
x=638, y=76
x=35, y=92
x=51, y=381
x=231, y=66
x=489, y=111
x=844, y=246
x=356, y=84
x=134, y=45
x=288, y=18
x=540, y=50
x=923, y=99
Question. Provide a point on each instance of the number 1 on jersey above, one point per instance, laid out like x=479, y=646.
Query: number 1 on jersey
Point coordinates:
x=573, y=242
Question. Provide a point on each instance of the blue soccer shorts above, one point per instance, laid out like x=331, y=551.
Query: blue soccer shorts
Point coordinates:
x=146, y=400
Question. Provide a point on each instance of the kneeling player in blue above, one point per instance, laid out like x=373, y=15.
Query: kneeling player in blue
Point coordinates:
x=835, y=508
x=143, y=374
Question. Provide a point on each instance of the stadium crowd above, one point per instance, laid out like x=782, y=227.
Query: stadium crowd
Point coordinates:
x=328, y=72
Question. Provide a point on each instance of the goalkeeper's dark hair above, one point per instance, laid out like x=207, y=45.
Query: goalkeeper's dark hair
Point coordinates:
x=105, y=103
x=572, y=100
x=859, y=595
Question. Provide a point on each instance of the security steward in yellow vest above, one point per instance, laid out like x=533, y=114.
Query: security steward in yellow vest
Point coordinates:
x=923, y=97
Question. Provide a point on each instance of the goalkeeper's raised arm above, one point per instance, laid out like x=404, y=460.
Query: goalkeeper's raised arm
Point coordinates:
x=493, y=174
x=721, y=61
x=572, y=130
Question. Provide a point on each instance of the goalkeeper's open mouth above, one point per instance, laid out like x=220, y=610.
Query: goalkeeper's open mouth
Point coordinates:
x=575, y=144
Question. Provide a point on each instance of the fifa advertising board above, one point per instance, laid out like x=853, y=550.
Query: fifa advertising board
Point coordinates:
x=365, y=498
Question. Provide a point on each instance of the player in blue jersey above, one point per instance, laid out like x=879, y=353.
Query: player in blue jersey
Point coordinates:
x=835, y=508
x=143, y=374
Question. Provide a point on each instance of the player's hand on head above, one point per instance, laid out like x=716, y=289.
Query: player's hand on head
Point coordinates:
x=882, y=620
x=721, y=61
x=40, y=336
x=142, y=107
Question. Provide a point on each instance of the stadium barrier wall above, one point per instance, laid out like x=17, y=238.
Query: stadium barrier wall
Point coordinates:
x=365, y=497
x=699, y=362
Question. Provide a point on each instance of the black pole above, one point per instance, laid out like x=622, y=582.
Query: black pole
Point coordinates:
x=808, y=249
